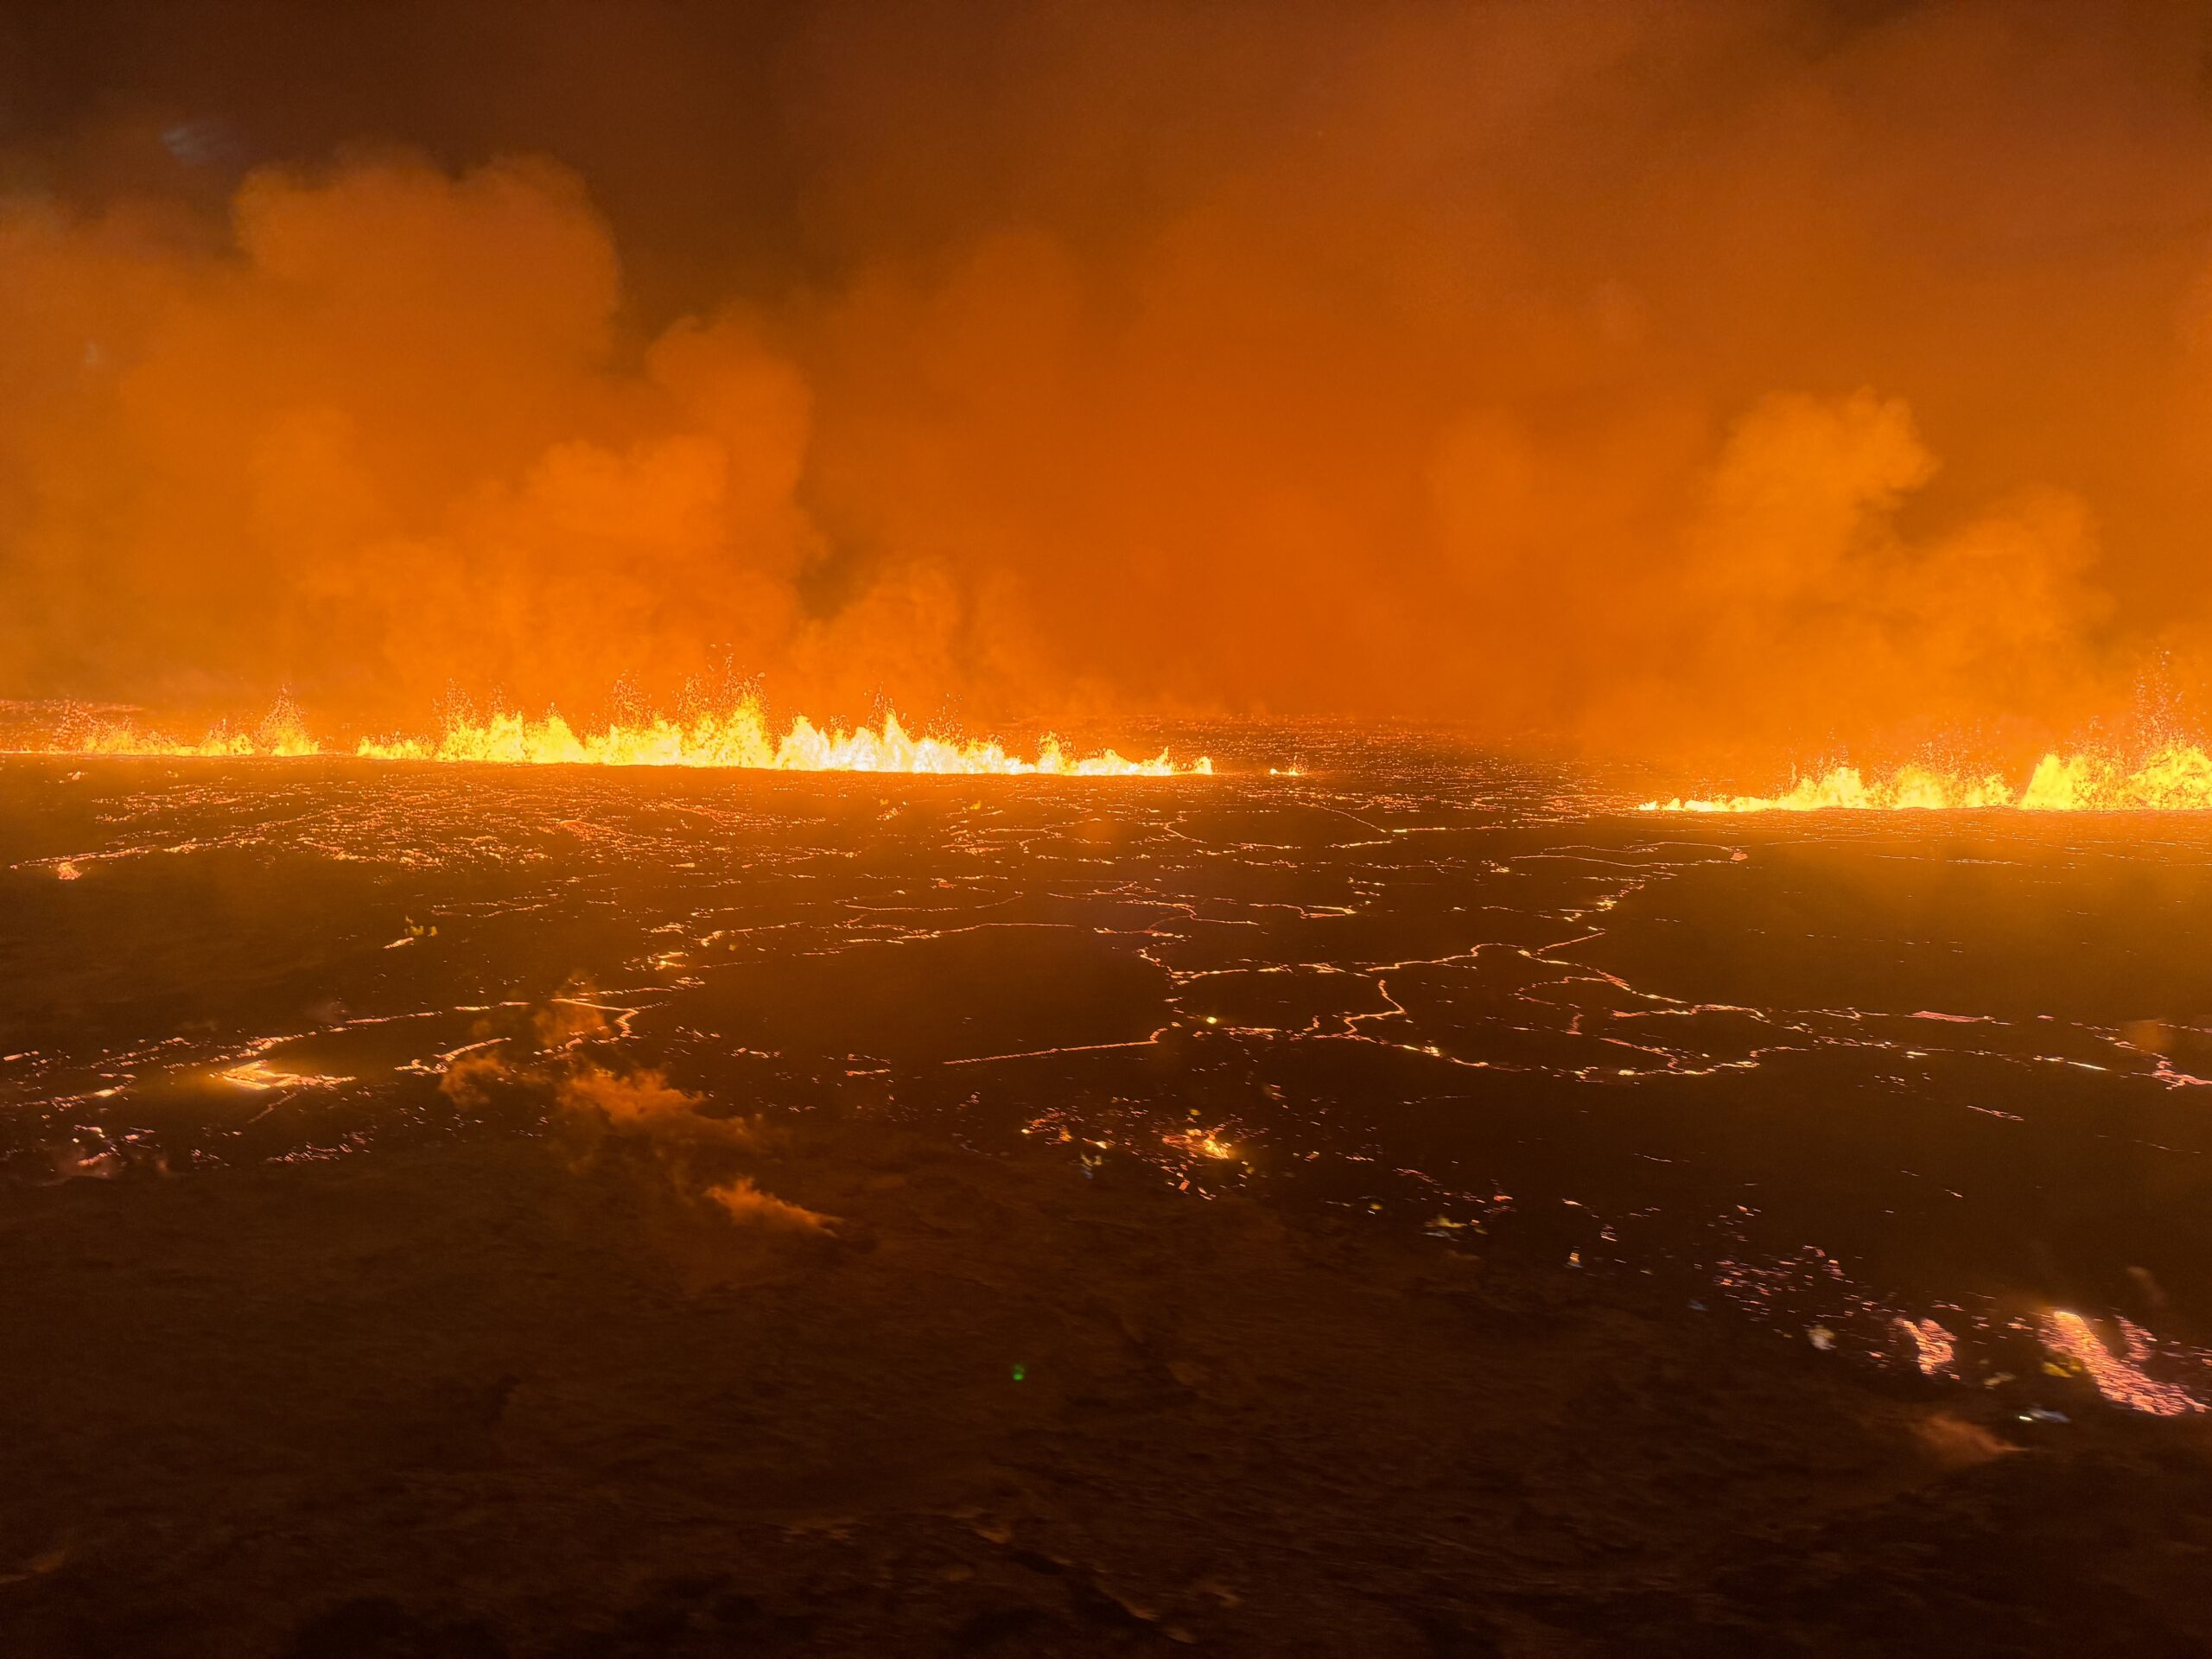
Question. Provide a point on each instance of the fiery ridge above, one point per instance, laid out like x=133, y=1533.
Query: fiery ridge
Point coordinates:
x=2177, y=777
x=740, y=738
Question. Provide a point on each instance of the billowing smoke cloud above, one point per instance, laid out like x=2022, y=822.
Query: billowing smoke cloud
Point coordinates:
x=1666, y=378
x=380, y=442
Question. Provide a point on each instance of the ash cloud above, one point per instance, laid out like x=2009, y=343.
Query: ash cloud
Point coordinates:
x=1723, y=378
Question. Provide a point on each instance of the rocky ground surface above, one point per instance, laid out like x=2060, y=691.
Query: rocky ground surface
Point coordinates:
x=497, y=1399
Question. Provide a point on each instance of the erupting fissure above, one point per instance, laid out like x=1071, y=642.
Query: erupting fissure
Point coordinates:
x=2176, y=777
x=739, y=737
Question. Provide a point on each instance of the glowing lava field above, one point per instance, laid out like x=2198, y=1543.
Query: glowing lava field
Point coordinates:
x=923, y=1210
x=1861, y=1074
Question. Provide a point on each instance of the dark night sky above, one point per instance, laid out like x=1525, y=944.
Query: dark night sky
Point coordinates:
x=673, y=112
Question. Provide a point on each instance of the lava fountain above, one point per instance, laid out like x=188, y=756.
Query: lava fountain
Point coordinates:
x=740, y=737
x=2176, y=777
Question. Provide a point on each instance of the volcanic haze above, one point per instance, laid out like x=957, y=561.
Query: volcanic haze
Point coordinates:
x=1660, y=379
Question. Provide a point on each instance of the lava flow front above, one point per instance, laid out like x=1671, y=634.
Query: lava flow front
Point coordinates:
x=2177, y=777
x=740, y=737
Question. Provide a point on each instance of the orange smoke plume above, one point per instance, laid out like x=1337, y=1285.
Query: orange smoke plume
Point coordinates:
x=1722, y=382
x=748, y=1206
x=616, y=1119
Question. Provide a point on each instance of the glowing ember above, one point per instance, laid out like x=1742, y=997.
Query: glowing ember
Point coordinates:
x=1933, y=1347
x=2121, y=1380
x=740, y=738
x=2174, y=778
x=260, y=1074
x=1203, y=1144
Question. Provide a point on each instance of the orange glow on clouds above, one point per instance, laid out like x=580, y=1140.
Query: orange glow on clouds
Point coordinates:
x=1685, y=383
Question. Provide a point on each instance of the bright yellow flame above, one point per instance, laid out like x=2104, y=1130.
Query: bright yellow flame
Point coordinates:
x=2174, y=778
x=281, y=733
x=739, y=738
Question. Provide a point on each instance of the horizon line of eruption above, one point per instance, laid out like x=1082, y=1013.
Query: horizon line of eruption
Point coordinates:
x=2177, y=778
x=741, y=739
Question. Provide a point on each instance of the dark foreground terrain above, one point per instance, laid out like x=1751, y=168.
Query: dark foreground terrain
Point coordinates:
x=1411, y=1208
x=519, y=1397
